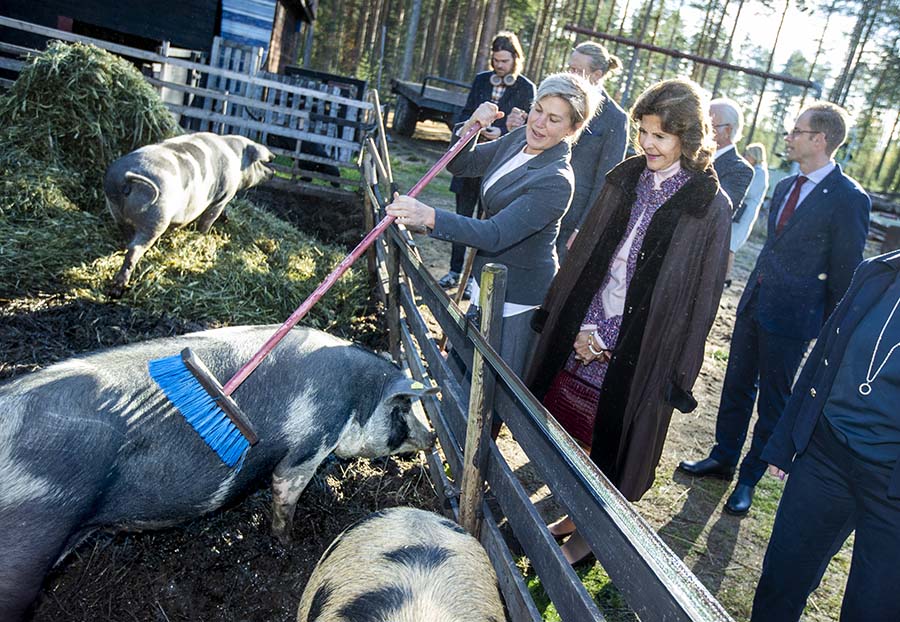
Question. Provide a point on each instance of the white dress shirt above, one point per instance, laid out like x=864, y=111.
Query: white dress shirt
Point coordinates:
x=812, y=180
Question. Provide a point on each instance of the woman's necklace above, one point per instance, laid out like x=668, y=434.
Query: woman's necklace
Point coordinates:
x=866, y=387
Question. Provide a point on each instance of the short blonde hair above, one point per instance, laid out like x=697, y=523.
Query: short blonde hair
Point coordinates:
x=757, y=151
x=580, y=94
x=683, y=110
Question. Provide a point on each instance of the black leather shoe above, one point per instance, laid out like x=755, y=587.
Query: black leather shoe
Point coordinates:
x=708, y=467
x=740, y=500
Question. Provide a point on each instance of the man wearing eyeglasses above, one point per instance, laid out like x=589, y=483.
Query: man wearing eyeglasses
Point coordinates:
x=818, y=221
x=733, y=171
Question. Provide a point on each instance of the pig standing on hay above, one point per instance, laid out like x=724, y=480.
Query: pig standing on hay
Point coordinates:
x=92, y=443
x=403, y=565
x=174, y=183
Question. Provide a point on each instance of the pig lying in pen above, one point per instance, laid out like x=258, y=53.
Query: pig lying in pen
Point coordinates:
x=403, y=565
x=92, y=443
x=174, y=183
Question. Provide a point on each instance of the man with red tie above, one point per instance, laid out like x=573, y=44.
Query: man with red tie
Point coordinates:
x=818, y=221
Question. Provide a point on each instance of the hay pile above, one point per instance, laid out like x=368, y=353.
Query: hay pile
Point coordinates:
x=77, y=108
x=73, y=110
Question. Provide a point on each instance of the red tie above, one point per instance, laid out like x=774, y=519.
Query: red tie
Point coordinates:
x=791, y=205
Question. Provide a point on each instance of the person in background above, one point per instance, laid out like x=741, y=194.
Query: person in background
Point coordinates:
x=745, y=216
x=624, y=324
x=602, y=144
x=734, y=172
x=818, y=221
x=527, y=187
x=507, y=88
x=839, y=438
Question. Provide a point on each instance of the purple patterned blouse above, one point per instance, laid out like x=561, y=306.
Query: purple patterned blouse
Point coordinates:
x=649, y=200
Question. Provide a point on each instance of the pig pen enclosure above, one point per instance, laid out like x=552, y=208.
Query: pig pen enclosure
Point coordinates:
x=60, y=249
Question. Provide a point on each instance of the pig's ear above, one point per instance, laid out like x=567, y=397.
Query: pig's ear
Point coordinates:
x=409, y=388
x=256, y=153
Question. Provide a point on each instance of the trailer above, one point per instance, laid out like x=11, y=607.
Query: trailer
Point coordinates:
x=419, y=101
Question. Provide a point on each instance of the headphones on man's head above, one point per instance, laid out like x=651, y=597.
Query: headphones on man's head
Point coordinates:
x=507, y=80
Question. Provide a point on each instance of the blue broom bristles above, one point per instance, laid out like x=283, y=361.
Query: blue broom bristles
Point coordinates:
x=199, y=409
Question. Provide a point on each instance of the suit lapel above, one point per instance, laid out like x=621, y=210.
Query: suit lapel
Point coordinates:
x=813, y=201
x=775, y=204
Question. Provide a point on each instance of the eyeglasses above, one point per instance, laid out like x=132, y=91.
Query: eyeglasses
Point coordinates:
x=722, y=125
x=795, y=132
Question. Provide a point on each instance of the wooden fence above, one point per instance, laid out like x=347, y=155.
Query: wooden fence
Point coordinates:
x=654, y=581
x=317, y=130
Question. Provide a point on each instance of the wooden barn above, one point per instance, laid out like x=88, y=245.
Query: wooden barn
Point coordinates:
x=273, y=25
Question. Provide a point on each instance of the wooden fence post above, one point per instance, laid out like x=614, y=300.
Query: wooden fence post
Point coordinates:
x=481, y=400
x=393, y=300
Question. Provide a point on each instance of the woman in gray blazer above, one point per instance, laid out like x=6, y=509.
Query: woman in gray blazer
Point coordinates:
x=527, y=187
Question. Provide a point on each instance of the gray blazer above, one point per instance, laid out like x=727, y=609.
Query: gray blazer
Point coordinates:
x=522, y=213
x=735, y=174
x=600, y=147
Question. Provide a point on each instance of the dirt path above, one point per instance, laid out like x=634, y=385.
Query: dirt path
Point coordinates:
x=725, y=552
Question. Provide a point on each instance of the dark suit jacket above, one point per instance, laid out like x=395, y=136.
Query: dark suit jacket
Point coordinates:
x=522, y=213
x=735, y=175
x=600, y=147
x=519, y=95
x=791, y=435
x=806, y=269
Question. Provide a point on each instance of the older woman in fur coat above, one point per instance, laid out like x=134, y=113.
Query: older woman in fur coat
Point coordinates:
x=623, y=326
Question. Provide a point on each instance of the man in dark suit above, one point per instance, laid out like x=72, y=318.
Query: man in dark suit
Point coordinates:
x=733, y=171
x=818, y=222
x=602, y=143
x=506, y=87
x=839, y=438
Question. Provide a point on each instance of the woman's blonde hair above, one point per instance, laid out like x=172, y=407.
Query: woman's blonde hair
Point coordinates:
x=580, y=94
x=682, y=108
x=757, y=151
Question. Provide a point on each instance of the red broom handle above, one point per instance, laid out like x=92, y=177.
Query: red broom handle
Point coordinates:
x=332, y=278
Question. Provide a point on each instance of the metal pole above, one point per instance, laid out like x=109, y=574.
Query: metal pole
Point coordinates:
x=481, y=400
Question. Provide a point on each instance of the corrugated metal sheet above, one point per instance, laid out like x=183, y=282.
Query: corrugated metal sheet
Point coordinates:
x=248, y=21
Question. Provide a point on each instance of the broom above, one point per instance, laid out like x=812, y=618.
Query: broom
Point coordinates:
x=207, y=405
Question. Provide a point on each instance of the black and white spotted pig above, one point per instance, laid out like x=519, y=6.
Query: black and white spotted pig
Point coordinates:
x=175, y=182
x=403, y=565
x=92, y=442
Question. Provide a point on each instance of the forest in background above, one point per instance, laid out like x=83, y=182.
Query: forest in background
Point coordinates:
x=378, y=40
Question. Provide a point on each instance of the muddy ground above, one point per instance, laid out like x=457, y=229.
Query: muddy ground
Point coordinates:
x=225, y=566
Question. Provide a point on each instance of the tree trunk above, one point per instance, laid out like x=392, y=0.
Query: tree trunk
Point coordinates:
x=473, y=16
x=861, y=20
x=412, y=31
x=491, y=19
x=446, y=59
x=890, y=143
x=622, y=25
x=671, y=44
x=427, y=56
x=728, y=48
x=701, y=39
x=662, y=6
x=609, y=18
x=762, y=91
x=645, y=21
x=714, y=41
x=862, y=46
x=812, y=66
x=360, y=35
